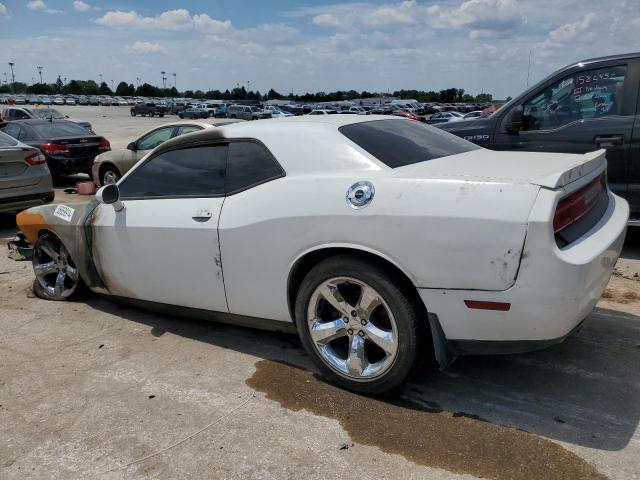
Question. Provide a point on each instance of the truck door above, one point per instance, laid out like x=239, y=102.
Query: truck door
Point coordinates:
x=581, y=111
x=633, y=184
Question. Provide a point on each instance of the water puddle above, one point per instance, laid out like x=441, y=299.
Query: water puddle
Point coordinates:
x=455, y=442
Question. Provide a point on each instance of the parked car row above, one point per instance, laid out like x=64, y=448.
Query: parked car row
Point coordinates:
x=22, y=113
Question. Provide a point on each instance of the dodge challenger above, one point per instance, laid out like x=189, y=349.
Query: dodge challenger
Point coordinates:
x=377, y=239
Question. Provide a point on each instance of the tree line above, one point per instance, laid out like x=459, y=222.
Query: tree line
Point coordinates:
x=124, y=89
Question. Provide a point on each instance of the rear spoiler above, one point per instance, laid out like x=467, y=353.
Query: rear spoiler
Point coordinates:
x=584, y=165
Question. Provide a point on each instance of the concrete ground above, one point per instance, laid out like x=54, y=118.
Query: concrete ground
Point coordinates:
x=92, y=389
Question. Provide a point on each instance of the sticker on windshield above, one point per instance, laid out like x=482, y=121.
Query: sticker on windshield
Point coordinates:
x=64, y=212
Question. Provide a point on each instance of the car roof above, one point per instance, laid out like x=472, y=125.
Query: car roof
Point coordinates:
x=303, y=144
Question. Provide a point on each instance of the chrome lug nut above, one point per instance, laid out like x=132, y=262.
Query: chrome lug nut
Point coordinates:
x=354, y=313
x=363, y=321
x=361, y=333
x=350, y=332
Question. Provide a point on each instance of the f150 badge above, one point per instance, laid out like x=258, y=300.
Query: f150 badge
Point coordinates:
x=477, y=138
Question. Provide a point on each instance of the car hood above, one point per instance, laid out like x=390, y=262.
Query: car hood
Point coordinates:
x=549, y=170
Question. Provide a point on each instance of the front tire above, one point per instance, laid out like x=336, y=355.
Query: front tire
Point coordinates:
x=357, y=325
x=57, y=277
x=109, y=175
x=133, y=114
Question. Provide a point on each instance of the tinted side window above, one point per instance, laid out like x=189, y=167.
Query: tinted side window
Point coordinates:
x=194, y=171
x=250, y=164
x=401, y=142
x=585, y=94
x=155, y=138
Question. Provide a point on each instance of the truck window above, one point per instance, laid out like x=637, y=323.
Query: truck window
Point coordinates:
x=581, y=95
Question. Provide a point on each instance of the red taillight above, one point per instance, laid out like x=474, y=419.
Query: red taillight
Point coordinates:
x=35, y=159
x=573, y=207
x=53, y=148
x=482, y=305
x=104, y=145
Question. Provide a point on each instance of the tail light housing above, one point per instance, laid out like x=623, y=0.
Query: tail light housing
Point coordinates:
x=576, y=205
x=104, y=144
x=54, y=148
x=36, y=159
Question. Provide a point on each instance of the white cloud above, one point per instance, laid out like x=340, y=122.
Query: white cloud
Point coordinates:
x=570, y=31
x=204, y=23
x=179, y=19
x=80, y=6
x=326, y=20
x=479, y=15
x=3, y=11
x=36, y=5
x=144, y=47
x=40, y=6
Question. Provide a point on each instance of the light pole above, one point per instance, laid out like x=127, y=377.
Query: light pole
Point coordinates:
x=100, y=75
x=112, y=85
x=40, y=73
x=13, y=78
x=174, y=81
x=164, y=79
x=138, y=80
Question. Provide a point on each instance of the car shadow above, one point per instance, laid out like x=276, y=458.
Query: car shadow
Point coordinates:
x=584, y=391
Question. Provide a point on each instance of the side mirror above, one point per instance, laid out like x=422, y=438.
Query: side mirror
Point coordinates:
x=110, y=195
x=132, y=146
x=513, y=120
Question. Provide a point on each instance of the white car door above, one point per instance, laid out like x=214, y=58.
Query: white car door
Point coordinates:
x=163, y=246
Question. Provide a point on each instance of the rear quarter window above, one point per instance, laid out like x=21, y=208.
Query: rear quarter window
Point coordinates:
x=398, y=143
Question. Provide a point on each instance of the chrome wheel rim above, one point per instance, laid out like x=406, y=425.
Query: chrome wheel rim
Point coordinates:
x=55, y=271
x=352, y=328
x=109, y=177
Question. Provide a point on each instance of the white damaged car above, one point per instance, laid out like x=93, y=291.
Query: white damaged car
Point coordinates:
x=378, y=239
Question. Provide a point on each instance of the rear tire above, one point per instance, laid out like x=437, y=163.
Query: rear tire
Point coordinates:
x=375, y=347
x=133, y=114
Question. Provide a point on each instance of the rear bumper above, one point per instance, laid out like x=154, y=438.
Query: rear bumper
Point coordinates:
x=21, y=202
x=554, y=291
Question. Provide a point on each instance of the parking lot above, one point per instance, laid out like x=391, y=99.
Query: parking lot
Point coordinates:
x=92, y=389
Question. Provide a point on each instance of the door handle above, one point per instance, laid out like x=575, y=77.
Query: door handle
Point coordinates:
x=608, y=140
x=202, y=214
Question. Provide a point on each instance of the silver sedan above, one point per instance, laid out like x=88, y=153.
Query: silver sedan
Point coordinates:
x=25, y=180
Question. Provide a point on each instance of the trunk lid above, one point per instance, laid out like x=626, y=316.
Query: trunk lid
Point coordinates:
x=13, y=168
x=80, y=146
x=548, y=170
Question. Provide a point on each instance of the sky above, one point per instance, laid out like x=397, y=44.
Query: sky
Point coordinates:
x=313, y=45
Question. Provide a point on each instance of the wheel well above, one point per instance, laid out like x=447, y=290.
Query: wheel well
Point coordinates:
x=311, y=259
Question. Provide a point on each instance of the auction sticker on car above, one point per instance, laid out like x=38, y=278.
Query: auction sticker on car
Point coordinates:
x=64, y=212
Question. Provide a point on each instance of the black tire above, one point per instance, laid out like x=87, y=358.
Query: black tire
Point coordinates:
x=105, y=171
x=133, y=113
x=161, y=115
x=180, y=115
x=79, y=291
x=151, y=114
x=399, y=303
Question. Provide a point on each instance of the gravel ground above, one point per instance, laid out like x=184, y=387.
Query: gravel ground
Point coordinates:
x=91, y=389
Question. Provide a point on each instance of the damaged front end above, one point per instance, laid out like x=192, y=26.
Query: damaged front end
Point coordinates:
x=20, y=248
x=71, y=224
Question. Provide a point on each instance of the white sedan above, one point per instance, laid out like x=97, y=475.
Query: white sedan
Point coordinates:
x=376, y=238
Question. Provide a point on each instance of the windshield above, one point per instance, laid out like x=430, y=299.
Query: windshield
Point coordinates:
x=46, y=113
x=59, y=129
